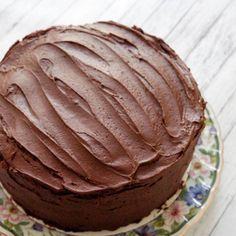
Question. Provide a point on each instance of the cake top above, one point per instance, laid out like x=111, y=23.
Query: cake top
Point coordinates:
x=95, y=107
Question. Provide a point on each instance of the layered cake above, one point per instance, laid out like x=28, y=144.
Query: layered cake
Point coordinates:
x=98, y=125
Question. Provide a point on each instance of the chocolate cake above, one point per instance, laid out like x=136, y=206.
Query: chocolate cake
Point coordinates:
x=98, y=125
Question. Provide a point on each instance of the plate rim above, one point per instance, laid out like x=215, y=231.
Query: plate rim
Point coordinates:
x=194, y=220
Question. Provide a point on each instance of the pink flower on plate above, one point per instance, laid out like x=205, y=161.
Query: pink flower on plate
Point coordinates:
x=9, y=212
x=200, y=166
x=176, y=212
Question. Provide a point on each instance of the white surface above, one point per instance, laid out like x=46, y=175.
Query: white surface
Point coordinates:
x=203, y=33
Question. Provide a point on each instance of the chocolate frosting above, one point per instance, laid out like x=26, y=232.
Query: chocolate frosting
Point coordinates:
x=99, y=107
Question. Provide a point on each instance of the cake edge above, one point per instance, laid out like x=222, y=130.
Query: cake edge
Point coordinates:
x=153, y=214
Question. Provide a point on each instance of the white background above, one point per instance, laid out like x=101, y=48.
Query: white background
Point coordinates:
x=203, y=33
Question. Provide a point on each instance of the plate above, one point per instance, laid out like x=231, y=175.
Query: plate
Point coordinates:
x=195, y=197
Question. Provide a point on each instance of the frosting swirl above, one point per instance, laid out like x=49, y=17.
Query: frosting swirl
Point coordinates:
x=96, y=107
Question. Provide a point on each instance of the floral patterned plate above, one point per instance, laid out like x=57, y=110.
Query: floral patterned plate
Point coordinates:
x=175, y=220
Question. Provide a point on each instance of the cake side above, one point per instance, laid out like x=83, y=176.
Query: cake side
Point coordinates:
x=98, y=115
x=105, y=211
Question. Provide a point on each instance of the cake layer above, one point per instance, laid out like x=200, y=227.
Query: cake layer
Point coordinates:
x=95, y=121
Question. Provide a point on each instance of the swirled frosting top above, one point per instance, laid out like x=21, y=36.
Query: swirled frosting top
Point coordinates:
x=96, y=107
